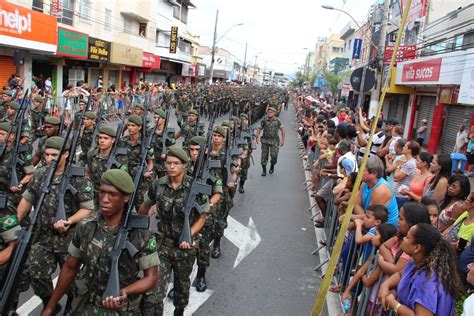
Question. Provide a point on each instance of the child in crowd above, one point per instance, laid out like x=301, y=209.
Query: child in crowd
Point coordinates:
x=433, y=209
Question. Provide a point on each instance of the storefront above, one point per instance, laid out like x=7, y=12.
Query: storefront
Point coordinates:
x=99, y=54
x=24, y=34
x=131, y=58
x=151, y=65
x=436, y=80
x=188, y=72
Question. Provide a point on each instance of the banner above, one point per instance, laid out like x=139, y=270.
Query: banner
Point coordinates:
x=357, y=48
x=72, y=43
x=173, y=39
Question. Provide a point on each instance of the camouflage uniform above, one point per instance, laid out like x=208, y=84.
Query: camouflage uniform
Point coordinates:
x=189, y=130
x=170, y=216
x=184, y=107
x=49, y=247
x=40, y=150
x=270, y=139
x=86, y=143
x=158, y=163
x=36, y=118
x=92, y=244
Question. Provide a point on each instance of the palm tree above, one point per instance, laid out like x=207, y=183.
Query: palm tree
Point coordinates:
x=334, y=81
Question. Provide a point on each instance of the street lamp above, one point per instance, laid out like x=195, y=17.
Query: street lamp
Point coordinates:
x=214, y=43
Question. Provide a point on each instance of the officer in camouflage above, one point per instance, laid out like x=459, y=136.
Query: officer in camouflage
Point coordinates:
x=51, y=128
x=169, y=194
x=159, y=161
x=51, y=239
x=92, y=245
x=87, y=134
x=270, y=139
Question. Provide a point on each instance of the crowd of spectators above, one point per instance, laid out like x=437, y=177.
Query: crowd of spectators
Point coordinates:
x=410, y=207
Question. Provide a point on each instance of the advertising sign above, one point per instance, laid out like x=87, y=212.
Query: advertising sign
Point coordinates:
x=428, y=70
x=357, y=48
x=126, y=55
x=173, y=39
x=72, y=43
x=403, y=53
x=466, y=90
x=99, y=50
x=150, y=61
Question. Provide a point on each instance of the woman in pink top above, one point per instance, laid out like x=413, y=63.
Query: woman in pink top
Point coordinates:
x=422, y=178
x=459, y=189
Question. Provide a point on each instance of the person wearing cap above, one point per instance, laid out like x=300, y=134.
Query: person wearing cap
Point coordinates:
x=12, y=195
x=77, y=115
x=191, y=128
x=97, y=158
x=51, y=128
x=90, y=246
x=247, y=152
x=37, y=117
x=159, y=162
x=421, y=132
x=183, y=107
x=51, y=238
x=12, y=107
x=138, y=110
x=271, y=142
x=6, y=98
x=87, y=134
x=168, y=194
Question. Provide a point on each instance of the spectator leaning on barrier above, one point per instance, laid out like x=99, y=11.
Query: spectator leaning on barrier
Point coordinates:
x=405, y=170
x=459, y=189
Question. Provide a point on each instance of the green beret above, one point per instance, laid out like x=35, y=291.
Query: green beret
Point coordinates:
x=13, y=105
x=135, y=119
x=82, y=101
x=244, y=116
x=7, y=92
x=52, y=120
x=198, y=140
x=271, y=109
x=120, y=179
x=107, y=130
x=160, y=112
x=140, y=107
x=5, y=126
x=226, y=123
x=220, y=131
x=38, y=98
x=178, y=152
x=193, y=111
x=91, y=115
x=55, y=142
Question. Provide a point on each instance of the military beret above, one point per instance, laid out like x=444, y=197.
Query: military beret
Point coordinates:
x=107, y=130
x=135, y=119
x=244, y=116
x=193, y=111
x=13, y=105
x=160, y=112
x=38, y=99
x=140, y=107
x=271, y=109
x=178, y=152
x=220, y=131
x=55, y=142
x=226, y=124
x=82, y=101
x=52, y=120
x=198, y=140
x=5, y=126
x=7, y=92
x=119, y=179
x=91, y=115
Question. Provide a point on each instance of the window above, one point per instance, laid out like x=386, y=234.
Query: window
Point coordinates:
x=181, y=12
x=142, y=29
x=37, y=5
x=108, y=19
x=162, y=38
x=468, y=40
x=184, y=46
x=127, y=25
x=75, y=75
x=84, y=10
x=67, y=12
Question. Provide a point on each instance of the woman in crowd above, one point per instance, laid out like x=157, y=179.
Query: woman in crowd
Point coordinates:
x=421, y=179
x=441, y=170
x=391, y=160
x=433, y=209
x=430, y=282
x=462, y=231
x=405, y=170
x=459, y=189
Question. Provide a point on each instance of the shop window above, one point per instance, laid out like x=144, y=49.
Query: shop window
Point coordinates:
x=108, y=19
x=84, y=10
x=142, y=29
x=75, y=75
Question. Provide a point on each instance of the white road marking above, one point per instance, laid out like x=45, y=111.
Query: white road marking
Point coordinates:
x=29, y=306
x=244, y=238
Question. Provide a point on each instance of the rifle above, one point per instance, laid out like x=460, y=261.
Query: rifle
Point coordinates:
x=116, y=150
x=70, y=170
x=210, y=163
x=61, y=124
x=23, y=244
x=198, y=186
x=167, y=132
x=230, y=152
x=14, y=123
x=97, y=125
x=144, y=121
x=130, y=222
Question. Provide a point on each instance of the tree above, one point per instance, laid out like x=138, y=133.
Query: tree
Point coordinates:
x=334, y=81
x=301, y=78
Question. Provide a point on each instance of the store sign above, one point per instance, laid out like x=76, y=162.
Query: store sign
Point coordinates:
x=56, y=9
x=72, y=43
x=201, y=70
x=99, y=50
x=357, y=48
x=126, y=55
x=466, y=91
x=173, y=39
x=422, y=71
x=150, y=61
x=417, y=9
x=24, y=28
x=403, y=53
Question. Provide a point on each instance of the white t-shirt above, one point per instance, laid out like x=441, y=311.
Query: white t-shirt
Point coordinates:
x=349, y=155
x=461, y=140
x=468, y=306
x=335, y=120
x=391, y=148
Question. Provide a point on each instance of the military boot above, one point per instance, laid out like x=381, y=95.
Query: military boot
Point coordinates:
x=201, y=284
x=171, y=294
x=241, y=186
x=179, y=311
x=264, y=170
x=216, y=249
x=272, y=169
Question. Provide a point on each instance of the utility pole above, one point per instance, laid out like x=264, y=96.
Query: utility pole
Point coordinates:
x=213, y=53
x=245, y=61
x=255, y=68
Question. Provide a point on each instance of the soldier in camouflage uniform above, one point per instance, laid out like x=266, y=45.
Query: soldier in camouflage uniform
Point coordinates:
x=270, y=139
x=12, y=195
x=159, y=161
x=97, y=158
x=92, y=245
x=51, y=128
x=77, y=115
x=247, y=151
x=12, y=107
x=169, y=194
x=191, y=128
x=6, y=98
x=51, y=239
x=37, y=118
x=87, y=134
x=184, y=106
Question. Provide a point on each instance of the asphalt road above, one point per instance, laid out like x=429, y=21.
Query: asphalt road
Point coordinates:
x=276, y=277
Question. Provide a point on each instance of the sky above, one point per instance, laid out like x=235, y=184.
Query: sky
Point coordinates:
x=277, y=31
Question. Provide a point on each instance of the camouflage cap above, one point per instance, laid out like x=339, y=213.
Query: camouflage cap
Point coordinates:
x=197, y=140
x=244, y=115
x=178, y=152
x=52, y=120
x=90, y=115
x=38, y=99
x=55, y=142
x=225, y=124
x=160, y=112
x=5, y=126
x=119, y=179
x=13, y=105
x=135, y=119
x=82, y=102
x=193, y=111
x=108, y=130
x=141, y=107
x=7, y=92
x=272, y=109
x=220, y=131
